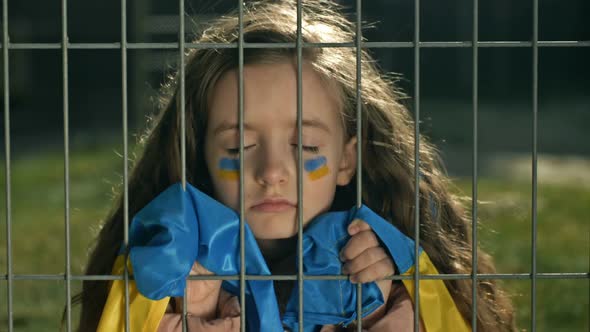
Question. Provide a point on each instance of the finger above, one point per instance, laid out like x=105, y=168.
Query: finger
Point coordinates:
x=224, y=297
x=379, y=270
x=217, y=325
x=198, y=269
x=328, y=328
x=229, y=306
x=199, y=290
x=364, y=260
x=385, y=287
x=358, y=225
x=202, y=290
x=357, y=244
x=202, y=295
x=201, y=298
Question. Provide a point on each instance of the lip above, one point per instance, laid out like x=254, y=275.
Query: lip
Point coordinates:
x=273, y=205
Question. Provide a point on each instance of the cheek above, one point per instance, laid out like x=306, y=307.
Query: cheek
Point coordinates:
x=316, y=168
x=319, y=186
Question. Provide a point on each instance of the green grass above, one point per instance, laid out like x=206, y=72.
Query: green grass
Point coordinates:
x=563, y=245
x=38, y=231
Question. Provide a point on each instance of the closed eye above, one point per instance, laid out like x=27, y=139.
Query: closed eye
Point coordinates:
x=308, y=148
x=234, y=151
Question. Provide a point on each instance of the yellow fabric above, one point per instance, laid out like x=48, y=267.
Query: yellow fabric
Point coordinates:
x=437, y=308
x=144, y=314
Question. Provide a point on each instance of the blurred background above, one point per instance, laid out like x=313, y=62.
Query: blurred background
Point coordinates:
x=446, y=114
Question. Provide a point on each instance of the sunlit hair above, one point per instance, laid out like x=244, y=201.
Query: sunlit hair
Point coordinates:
x=387, y=149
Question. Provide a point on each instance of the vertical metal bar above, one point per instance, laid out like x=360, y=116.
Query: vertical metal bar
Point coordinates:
x=64, y=49
x=475, y=92
x=125, y=153
x=534, y=186
x=182, y=95
x=417, y=164
x=359, y=133
x=9, y=274
x=299, y=45
x=242, y=194
x=182, y=129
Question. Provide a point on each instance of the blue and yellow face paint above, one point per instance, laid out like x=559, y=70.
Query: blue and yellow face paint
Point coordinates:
x=317, y=168
x=229, y=168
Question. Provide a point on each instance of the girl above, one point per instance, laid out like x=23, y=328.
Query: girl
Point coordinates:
x=270, y=167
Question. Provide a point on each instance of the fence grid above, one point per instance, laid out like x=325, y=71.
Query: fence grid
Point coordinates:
x=66, y=109
x=416, y=164
x=475, y=95
x=534, y=44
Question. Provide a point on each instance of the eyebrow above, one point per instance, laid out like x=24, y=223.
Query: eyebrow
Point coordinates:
x=313, y=123
x=229, y=126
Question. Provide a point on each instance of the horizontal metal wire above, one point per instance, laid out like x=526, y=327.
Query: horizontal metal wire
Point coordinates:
x=545, y=275
x=175, y=45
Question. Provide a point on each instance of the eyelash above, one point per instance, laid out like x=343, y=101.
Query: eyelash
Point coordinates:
x=312, y=149
x=236, y=151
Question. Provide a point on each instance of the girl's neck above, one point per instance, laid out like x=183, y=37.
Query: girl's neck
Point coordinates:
x=280, y=257
x=279, y=254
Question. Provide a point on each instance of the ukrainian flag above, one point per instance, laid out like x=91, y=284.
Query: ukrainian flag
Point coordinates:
x=166, y=237
x=180, y=227
x=144, y=314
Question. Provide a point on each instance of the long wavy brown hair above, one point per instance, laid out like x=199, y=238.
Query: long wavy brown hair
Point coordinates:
x=387, y=148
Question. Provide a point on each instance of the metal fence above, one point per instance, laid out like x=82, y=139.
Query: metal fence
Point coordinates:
x=417, y=45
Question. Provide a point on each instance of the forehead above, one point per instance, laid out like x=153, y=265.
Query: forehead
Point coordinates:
x=270, y=98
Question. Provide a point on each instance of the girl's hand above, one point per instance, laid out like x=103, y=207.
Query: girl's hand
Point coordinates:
x=366, y=261
x=209, y=308
x=364, y=258
x=202, y=295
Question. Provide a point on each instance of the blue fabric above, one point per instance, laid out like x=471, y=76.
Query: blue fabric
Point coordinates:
x=328, y=301
x=323, y=239
x=399, y=246
x=179, y=227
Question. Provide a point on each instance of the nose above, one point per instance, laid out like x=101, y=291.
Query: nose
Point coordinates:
x=272, y=166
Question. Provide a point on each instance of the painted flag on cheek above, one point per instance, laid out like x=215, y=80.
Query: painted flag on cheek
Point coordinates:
x=229, y=169
x=316, y=168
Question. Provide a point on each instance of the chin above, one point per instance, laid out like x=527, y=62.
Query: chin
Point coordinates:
x=273, y=228
x=272, y=232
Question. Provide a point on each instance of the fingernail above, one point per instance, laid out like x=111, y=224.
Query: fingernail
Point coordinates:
x=344, y=269
x=353, y=279
x=353, y=230
x=353, y=227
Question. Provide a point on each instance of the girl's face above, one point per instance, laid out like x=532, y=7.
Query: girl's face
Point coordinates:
x=270, y=147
